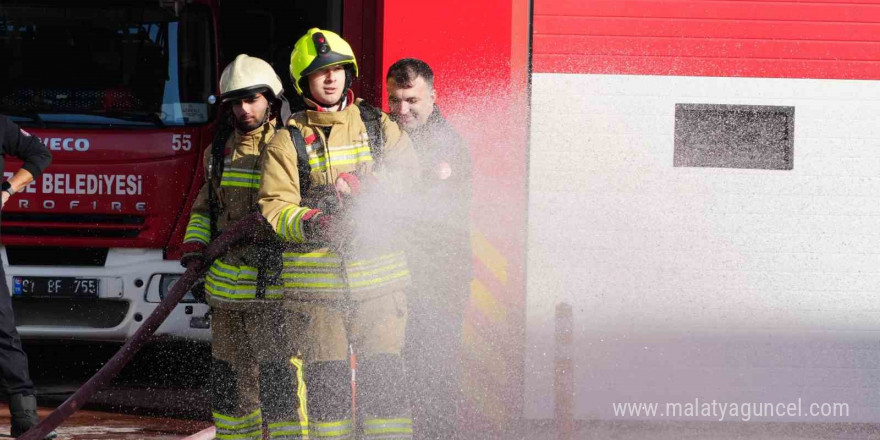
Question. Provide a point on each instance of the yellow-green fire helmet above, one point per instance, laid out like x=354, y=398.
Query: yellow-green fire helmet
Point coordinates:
x=316, y=50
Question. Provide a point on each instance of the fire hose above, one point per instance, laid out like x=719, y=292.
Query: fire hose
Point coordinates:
x=246, y=227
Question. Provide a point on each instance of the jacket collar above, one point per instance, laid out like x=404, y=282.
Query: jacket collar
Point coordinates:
x=435, y=121
x=323, y=117
x=259, y=131
x=255, y=137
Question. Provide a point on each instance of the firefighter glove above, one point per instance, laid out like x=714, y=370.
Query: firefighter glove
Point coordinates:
x=324, y=198
x=195, y=260
x=333, y=230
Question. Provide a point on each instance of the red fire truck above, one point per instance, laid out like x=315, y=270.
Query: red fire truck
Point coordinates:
x=117, y=91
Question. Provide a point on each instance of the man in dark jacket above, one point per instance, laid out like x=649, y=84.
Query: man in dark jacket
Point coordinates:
x=439, y=253
x=13, y=360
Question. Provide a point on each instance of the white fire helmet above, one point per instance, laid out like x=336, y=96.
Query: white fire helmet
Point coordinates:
x=246, y=76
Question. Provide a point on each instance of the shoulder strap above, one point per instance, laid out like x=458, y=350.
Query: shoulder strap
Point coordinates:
x=372, y=118
x=302, y=159
x=215, y=171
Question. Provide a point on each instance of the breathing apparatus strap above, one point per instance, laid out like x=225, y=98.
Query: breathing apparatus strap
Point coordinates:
x=372, y=118
x=302, y=159
x=215, y=170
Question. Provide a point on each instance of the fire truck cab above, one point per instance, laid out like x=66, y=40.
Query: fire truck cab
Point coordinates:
x=116, y=91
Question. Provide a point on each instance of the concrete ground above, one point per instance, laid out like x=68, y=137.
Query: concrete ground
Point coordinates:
x=95, y=425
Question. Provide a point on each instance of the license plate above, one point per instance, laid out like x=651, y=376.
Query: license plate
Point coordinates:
x=55, y=287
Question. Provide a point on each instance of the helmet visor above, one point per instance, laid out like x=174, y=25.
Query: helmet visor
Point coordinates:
x=247, y=92
x=327, y=60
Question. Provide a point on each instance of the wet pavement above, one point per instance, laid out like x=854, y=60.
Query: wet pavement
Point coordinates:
x=94, y=425
x=164, y=380
x=159, y=395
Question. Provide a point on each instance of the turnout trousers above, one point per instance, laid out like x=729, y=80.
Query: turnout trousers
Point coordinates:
x=375, y=328
x=256, y=374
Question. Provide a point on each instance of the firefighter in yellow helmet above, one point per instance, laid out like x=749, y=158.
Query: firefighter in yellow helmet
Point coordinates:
x=254, y=374
x=350, y=163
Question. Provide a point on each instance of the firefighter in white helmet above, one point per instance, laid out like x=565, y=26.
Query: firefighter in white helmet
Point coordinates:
x=343, y=268
x=254, y=373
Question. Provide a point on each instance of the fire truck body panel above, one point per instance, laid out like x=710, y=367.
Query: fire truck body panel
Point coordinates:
x=120, y=190
x=129, y=290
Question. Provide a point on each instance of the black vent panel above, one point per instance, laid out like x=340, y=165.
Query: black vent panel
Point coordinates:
x=69, y=312
x=55, y=256
x=72, y=225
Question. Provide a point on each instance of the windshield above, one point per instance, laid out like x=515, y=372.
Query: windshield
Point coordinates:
x=104, y=64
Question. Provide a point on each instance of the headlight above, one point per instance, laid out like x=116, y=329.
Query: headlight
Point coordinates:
x=161, y=284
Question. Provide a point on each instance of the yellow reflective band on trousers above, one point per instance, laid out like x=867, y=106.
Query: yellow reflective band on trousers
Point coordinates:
x=301, y=391
x=395, y=429
x=240, y=177
x=198, y=229
x=239, y=428
x=322, y=272
x=290, y=430
x=341, y=429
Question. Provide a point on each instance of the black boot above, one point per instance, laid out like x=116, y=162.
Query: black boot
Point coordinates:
x=24, y=415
